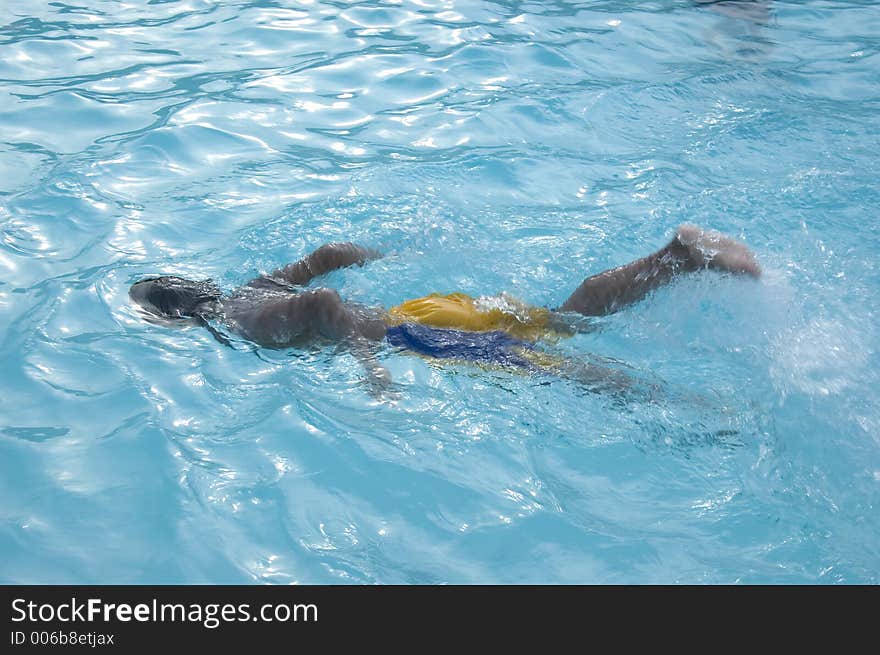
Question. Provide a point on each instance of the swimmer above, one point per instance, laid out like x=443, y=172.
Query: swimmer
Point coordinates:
x=278, y=311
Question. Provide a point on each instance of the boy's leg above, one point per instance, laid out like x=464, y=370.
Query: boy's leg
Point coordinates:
x=690, y=250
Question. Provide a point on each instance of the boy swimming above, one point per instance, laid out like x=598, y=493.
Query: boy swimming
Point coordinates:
x=277, y=311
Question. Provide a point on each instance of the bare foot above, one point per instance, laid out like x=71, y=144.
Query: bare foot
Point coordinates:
x=711, y=249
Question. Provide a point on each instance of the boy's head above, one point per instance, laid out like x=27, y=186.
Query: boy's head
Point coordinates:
x=170, y=296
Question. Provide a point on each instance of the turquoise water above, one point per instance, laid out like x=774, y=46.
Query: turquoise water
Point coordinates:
x=485, y=147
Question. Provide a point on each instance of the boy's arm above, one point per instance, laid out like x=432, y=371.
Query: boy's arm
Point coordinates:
x=329, y=257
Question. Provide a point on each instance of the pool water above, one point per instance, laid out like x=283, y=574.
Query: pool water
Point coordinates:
x=485, y=147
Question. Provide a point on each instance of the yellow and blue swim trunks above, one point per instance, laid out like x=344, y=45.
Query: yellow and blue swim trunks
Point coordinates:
x=498, y=330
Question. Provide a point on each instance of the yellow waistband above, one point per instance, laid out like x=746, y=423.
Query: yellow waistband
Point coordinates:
x=461, y=312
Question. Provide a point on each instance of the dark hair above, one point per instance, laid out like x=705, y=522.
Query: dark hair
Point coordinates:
x=175, y=297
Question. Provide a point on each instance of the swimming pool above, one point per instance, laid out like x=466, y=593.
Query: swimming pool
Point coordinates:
x=484, y=147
